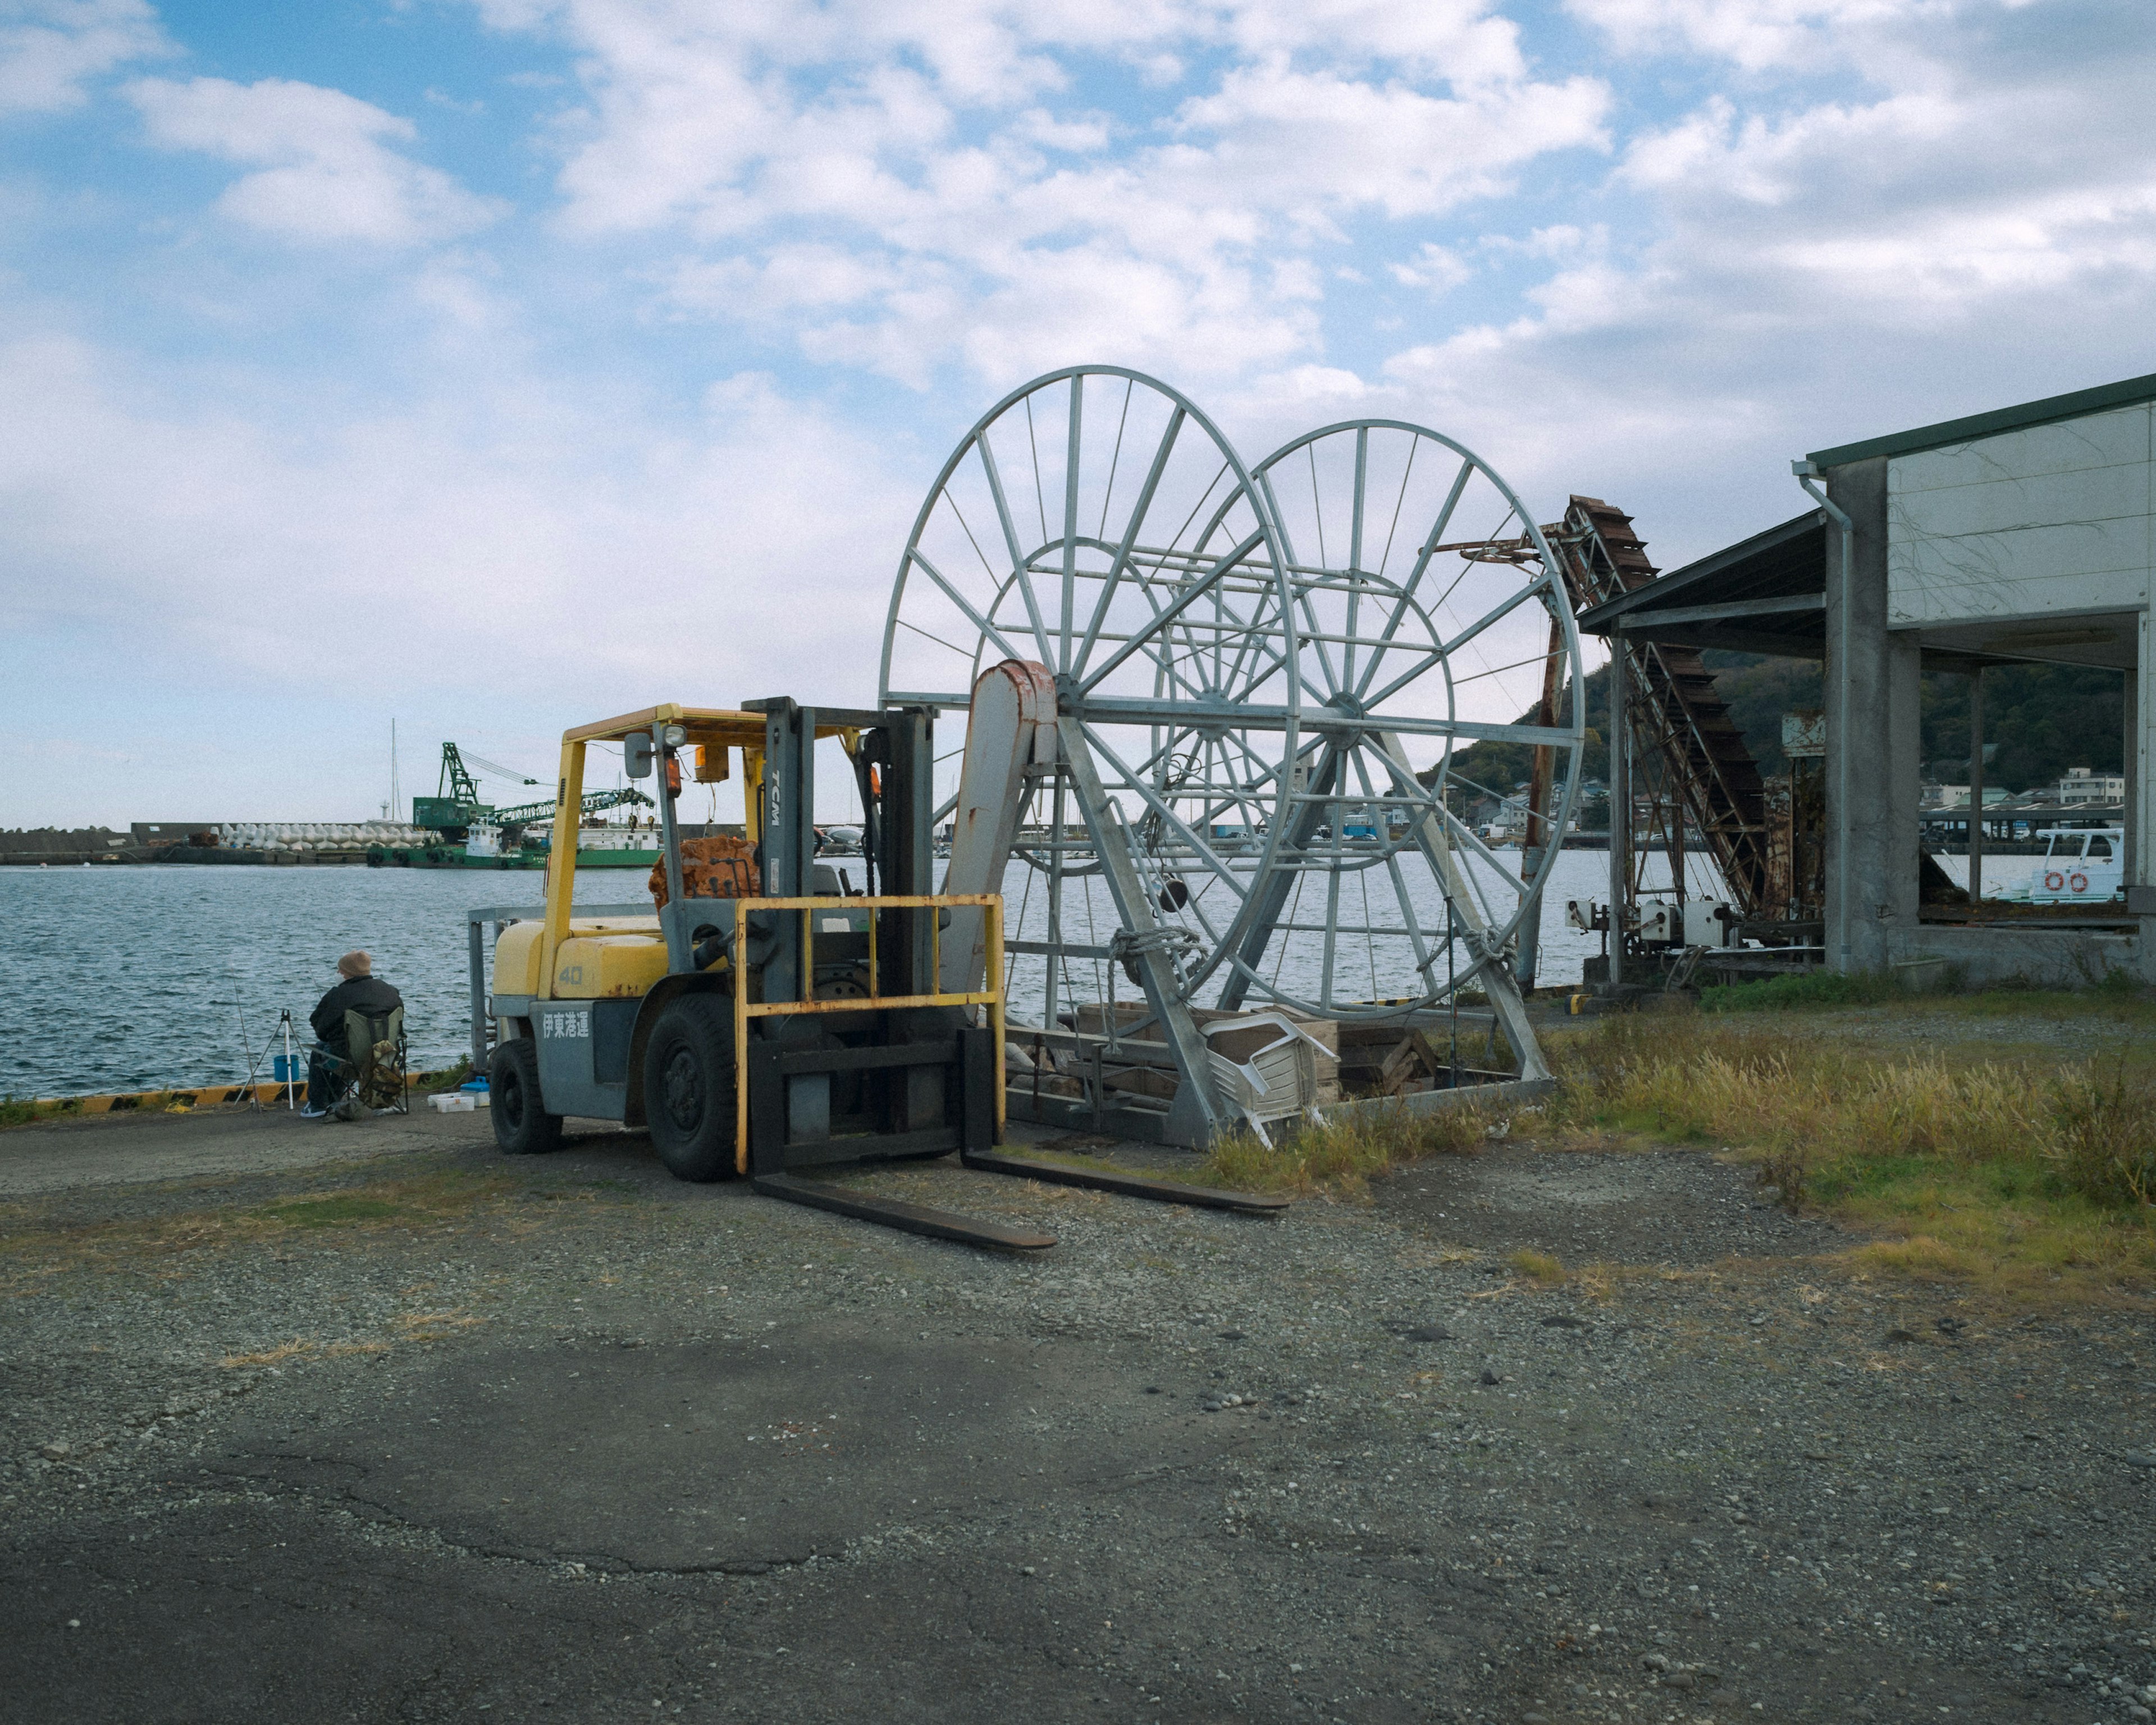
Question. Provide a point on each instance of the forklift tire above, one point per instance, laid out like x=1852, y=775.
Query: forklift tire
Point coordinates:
x=689, y=1088
x=521, y=1125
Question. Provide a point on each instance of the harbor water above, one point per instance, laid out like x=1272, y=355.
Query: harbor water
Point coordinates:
x=139, y=977
x=128, y=979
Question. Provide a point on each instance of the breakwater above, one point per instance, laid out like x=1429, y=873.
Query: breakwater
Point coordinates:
x=179, y=841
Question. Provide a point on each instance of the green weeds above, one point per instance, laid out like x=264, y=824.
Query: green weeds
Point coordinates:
x=27, y=1112
x=1344, y=1153
x=2016, y=1171
x=426, y=1083
x=331, y=1212
x=1815, y=989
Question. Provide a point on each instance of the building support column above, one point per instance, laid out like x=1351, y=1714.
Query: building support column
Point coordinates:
x=1620, y=804
x=1872, y=682
x=2140, y=768
x=1976, y=786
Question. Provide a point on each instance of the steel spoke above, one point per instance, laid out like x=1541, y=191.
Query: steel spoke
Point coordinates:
x=1071, y=452
x=1414, y=581
x=1167, y=815
x=1129, y=538
x=1183, y=602
x=1017, y=556
x=957, y=598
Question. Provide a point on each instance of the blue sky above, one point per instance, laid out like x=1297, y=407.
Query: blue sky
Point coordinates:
x=493, y=364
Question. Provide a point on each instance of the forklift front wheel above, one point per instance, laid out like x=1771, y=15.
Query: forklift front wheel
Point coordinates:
x=689, y=1088
x=521, y=1125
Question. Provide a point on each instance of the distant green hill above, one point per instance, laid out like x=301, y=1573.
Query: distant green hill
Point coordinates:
x=2041, y=719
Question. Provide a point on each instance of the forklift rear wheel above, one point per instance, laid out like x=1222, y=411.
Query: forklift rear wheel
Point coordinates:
x=521, y=1125
x=689, y=1088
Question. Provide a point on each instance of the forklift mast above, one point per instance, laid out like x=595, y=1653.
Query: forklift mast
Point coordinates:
x=893, y=753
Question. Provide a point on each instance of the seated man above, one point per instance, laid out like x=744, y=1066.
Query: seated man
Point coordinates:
x=360, y=991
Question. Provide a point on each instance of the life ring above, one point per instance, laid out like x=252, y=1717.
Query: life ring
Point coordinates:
x=2054, y=882
x=2079, y=882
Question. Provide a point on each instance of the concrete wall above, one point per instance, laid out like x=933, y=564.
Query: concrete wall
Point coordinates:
x=2051, y=520
x=2066, y=959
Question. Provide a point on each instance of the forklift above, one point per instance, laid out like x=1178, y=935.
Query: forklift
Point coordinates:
x=798, y=1024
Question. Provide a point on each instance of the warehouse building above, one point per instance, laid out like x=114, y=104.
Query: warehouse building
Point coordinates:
x=2024, y=536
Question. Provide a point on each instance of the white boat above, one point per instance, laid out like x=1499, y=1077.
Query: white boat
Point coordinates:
x=2079, y=865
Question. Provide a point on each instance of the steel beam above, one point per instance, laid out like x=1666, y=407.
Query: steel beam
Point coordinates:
x=1194, y=1115
x=1499, y=984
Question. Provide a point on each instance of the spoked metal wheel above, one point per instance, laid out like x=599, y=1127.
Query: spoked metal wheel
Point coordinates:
x=1097, y=523
x=1427, y=616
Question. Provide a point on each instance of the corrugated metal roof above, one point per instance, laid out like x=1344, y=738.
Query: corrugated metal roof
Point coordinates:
x=1976, y=425
x=1739, y=598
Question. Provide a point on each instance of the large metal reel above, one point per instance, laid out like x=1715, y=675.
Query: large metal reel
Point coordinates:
x=1095, y=521
x=1428, y=614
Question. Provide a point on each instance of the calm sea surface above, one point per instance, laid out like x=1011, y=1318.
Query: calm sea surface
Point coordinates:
x=137, y=978
x=140, y=978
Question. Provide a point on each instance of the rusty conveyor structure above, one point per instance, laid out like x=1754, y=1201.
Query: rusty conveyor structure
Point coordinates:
x=1677, y=716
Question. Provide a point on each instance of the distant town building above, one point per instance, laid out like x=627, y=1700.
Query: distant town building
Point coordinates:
x=2083, y=785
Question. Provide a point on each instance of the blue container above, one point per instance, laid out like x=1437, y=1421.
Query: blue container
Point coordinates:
x=476, y=1085
x=289, y=1068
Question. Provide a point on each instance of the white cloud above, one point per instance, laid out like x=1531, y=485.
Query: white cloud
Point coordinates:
x=1312, y=145
x=1971, y=224
x=1459, y=40
x=545, y=529
x=1434, y=267
x=915, y=169
x=1871, y=215
x=1752, y=35
x=326, y=165
x=50, y=48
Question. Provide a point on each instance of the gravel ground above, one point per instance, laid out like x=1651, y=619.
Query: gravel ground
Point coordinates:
x=574, y=1441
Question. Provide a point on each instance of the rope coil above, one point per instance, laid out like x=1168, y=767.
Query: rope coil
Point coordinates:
x=1167, y=939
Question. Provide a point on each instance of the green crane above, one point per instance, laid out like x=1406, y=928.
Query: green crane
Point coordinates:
x=455, y=803
x=527, y=814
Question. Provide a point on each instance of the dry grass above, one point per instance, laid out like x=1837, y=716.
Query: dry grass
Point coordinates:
x=2028, y=1173
x=1538, y=1267
x=305, y=1348
x=1342, y=1155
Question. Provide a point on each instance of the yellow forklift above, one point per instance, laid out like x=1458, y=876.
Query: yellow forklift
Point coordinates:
x=769, y=1019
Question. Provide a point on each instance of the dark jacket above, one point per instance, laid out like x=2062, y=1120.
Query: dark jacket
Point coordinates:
x=360, y=993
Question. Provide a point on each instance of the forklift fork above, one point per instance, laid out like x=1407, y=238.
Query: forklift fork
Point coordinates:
x=777, y=1162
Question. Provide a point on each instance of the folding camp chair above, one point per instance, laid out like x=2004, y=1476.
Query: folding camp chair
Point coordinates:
x=371, y=1076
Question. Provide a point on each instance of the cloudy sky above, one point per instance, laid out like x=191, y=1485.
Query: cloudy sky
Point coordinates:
x=495, y=364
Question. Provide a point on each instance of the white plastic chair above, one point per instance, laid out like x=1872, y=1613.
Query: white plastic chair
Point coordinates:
x=1264, y=1067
